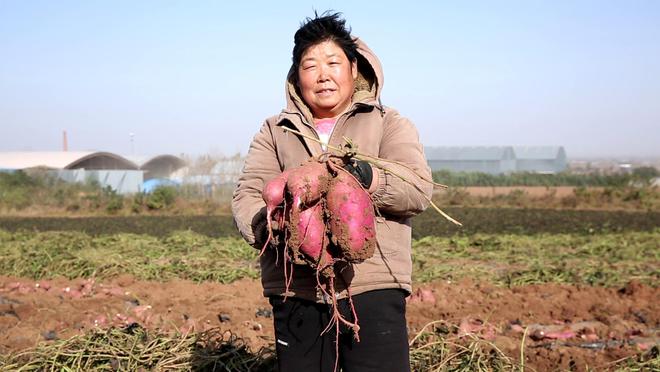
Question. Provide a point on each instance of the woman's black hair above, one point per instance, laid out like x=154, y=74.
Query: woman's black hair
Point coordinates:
x=327, y=27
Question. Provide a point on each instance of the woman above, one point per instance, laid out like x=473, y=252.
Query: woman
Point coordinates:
x=333, y=92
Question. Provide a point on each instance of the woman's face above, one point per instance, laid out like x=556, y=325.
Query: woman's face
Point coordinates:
x=326, y=79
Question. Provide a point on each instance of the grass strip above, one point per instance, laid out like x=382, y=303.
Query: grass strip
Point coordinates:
x=611, y=259
x=184, y=255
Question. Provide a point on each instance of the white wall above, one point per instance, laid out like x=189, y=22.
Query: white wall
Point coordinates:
x=122, y=181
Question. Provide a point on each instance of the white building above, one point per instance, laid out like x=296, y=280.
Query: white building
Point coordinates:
x=108, y=169
x=497, y=159
x=540, y=159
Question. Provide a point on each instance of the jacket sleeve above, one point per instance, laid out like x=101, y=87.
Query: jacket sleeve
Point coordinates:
x=248, y=207
x=400, y=143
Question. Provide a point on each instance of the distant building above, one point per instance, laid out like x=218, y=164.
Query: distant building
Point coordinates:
x=227, y=170
x=210, y=176
x=540, y=159
x=497, y=159
x=105, y=168
x=64, y=160
x=492, y=159
x=160, y=166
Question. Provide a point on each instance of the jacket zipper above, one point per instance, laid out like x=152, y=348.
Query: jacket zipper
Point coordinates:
x=304, y=123
x=341, y=120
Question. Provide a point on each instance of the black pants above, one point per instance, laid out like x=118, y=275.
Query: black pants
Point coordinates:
x=383, y=334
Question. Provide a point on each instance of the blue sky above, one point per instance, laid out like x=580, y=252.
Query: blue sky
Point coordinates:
x=201, y=76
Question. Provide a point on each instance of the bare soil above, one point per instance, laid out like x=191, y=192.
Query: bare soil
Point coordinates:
x=566, y=326
x=532, y=191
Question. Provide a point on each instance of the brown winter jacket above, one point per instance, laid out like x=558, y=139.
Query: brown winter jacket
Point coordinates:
x=377, y=131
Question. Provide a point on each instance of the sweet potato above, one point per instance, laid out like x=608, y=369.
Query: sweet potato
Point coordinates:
x=307, y=183
x=273, y=195
x=318, y=203
x=308, y=237
x=351, y=218
x=323, y=204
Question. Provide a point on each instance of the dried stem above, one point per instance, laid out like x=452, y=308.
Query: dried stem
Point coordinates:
x=362, y=156
x=375, y=161
x=522, y=350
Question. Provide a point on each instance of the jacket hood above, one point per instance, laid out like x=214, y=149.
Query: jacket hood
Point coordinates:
x=368, y=84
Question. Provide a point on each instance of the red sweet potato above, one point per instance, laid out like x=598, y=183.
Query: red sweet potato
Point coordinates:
x=273, y=194
x=309, y=238
x=324, y=204
x=318, y=203
x=351, y=218
x=307, y=183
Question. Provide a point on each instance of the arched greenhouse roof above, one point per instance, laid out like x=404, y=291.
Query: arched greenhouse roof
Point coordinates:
x=64, y=160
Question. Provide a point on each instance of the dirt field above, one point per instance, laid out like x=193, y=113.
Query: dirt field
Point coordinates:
x=568, y=327
x=532, y=191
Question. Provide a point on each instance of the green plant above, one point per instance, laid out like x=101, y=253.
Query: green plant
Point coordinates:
x=115, y=205
x=645, y=174
x=137, y=202
x=18, y=179
x=16, y=198
x=92, y=200
x=17, y=189
x=162, y=197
